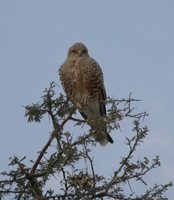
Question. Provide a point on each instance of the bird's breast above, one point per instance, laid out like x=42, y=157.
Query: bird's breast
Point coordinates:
x=75, y=79
x=80, y=91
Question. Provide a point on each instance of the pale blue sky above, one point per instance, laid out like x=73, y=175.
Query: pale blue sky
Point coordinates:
x=133, y=41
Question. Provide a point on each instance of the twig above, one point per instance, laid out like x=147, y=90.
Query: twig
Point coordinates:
x=41, y=155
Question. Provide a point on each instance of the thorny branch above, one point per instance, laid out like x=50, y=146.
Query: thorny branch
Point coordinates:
x=76, y=182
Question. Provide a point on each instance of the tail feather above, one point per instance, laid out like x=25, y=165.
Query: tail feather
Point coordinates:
x=110, y=139
x=94, y=113
x=103, y=137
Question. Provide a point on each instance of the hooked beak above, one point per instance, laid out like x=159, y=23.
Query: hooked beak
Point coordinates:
x=79, y=53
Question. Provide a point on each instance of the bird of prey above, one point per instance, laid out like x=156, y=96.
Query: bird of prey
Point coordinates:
x=82, y=81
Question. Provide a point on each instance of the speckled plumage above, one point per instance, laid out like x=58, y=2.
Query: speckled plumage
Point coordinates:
x=82, y=80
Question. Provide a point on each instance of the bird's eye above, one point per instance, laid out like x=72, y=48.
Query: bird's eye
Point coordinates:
x=73, y=51
x=84, y=51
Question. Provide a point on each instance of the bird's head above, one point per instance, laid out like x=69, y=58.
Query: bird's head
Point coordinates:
x=78, y=49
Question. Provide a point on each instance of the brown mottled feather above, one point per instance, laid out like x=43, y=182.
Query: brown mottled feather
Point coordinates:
x=82, y=80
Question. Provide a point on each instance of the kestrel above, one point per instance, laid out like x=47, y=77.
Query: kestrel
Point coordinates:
x=82, y=81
